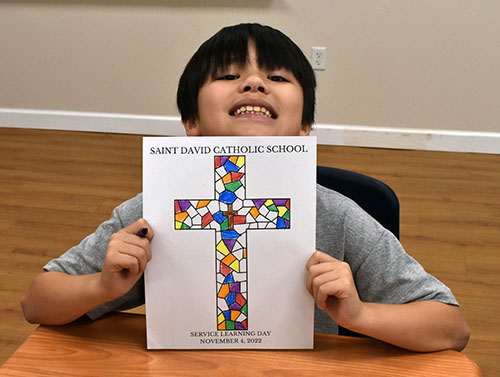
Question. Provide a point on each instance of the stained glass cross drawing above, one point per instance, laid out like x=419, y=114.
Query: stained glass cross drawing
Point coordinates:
x=231, y=215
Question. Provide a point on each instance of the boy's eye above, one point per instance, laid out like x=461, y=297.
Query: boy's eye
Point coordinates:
x=229, y=77
x=277, y=78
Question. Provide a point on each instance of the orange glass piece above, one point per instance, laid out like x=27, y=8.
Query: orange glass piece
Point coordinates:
x=228, y=259
x=254, y=212
x=202, y=203
x=224, y=291
x=181, y=216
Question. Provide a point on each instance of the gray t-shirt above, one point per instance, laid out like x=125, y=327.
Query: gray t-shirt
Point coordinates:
x=382, y=270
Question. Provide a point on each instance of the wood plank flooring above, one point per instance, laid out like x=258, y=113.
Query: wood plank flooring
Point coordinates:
x=57, y=186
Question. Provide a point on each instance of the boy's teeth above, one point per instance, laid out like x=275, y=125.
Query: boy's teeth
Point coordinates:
x=253, y=110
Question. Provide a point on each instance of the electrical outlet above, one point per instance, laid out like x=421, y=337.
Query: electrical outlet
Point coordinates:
x=318, y=60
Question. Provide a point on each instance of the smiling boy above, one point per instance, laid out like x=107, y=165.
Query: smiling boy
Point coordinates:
x=252, y=80
x=248, y=101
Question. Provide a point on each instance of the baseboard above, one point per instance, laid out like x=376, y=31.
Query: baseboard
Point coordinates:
x=409, y=138
x=328, y=134
x=91, y=122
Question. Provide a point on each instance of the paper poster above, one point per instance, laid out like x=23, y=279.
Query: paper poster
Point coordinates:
x=234, y=222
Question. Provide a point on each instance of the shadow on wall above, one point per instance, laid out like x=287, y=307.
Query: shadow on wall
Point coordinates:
x=168, y=3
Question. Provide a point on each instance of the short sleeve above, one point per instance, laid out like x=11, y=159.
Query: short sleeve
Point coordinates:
x=382, y=270
x=389, y=275
x=88, y=256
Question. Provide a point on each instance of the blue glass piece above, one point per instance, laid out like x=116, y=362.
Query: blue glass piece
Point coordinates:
x=229, y=166
x=228, y=279
x=219, y=217
x=227, y=197
x=281, y=223
x=229, y=234
x=227, y=314
x=230, y=298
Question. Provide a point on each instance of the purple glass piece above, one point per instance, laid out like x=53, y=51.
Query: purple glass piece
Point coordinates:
x=234, y=287
x=258, y=202
x=280, y=202
x=184, y=204
x=235, y=306
x=229, y=244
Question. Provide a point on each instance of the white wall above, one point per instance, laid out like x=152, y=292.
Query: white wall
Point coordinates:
x=426, y=64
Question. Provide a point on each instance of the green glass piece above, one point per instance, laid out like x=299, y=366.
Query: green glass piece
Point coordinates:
x=229, y=325
x=184, y=226
x=233, y=186
x=287, y=215
x=272, y=207
x=244, y=309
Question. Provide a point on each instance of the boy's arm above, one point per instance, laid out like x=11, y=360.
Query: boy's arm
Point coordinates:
x=58, y=298
x=418, y=326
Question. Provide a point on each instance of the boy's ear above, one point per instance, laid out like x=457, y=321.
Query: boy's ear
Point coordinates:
x=305, y=130
x=191, y=128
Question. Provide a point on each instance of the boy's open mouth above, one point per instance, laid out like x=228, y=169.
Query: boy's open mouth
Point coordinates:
x=253, y=108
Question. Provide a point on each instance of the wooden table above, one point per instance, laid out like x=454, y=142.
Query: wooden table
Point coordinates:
x=116, y=345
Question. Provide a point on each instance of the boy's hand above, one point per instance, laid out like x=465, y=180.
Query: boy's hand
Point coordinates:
x=331, y=284
x=128, y=252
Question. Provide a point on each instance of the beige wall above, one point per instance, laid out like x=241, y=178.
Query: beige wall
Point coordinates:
x=395, y=63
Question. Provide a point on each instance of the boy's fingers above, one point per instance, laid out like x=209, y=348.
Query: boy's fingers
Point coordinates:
x=314, y=275
x=326, y=290
x=332, y=277
x=141, y=242
x=320, y=257
x=317, y=269
x=126, y=262
x=128, y=244
x=133, y=256
x=140, y=228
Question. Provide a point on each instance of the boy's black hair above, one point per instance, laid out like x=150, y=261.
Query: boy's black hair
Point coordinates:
x=229, y=46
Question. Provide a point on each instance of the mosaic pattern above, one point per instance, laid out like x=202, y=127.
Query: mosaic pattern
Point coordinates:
x=230, y=215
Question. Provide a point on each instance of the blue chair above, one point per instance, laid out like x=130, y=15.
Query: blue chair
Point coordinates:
x=374, y=196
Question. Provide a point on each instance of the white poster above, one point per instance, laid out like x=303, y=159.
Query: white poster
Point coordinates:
x=234, y=221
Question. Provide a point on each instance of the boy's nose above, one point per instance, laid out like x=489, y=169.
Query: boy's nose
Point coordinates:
x=249, y=88
x=254, y=83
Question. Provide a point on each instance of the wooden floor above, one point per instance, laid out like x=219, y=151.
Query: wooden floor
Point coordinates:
x=56, y=187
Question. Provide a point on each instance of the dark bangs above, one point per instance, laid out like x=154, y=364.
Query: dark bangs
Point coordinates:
x=230, y=46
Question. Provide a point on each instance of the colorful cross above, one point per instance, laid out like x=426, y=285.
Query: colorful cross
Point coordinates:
x=230, y=214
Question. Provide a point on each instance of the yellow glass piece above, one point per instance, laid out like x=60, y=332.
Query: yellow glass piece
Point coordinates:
x=240, y=162
x=235, y=265
x=202, y=203
x=254, y=212
x=282, y=210
x=220, y=318
x=224, y=291
x=178, y=225
x=181, y=216
x=268, y=203
x=222, y=248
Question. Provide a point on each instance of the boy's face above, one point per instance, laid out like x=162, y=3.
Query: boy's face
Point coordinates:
x=250, y=101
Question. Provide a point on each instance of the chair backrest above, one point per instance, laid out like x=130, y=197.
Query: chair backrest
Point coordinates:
x=374, y=196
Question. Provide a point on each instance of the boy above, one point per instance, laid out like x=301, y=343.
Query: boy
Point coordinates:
x=253, y=80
